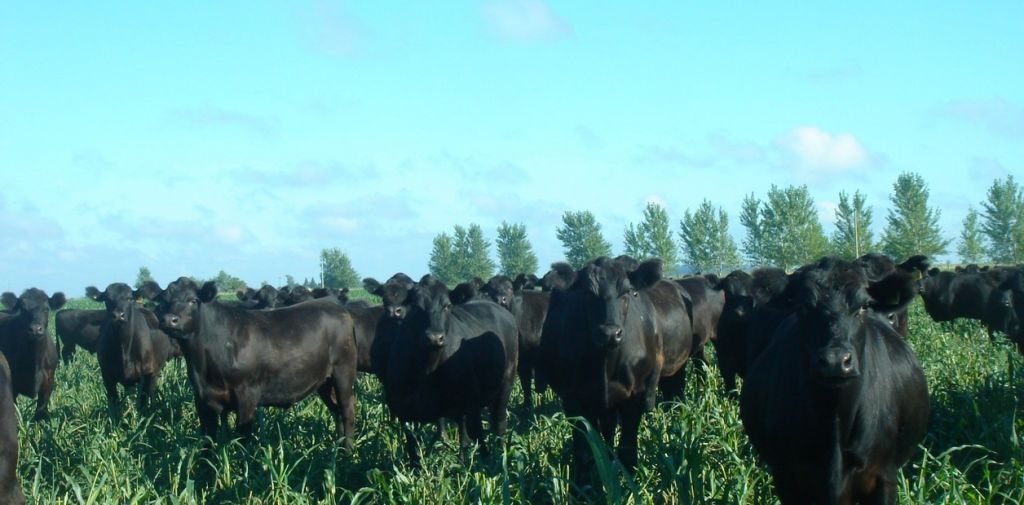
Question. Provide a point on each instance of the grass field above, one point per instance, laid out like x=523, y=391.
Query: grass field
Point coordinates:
x=691, y=452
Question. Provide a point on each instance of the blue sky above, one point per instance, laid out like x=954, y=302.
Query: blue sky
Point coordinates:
x=195, y=136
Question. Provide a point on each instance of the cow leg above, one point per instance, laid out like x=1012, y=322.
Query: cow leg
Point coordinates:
x=525, y=372
x=464, y=441
x=788, y=489
x=67, y=351
x=672, y=387
x=245, y=416
x=631, y=413
x=885, y=489
x=475, y=428
x=208, y=420
x=411, y=449
x=44, y=389
x=110, y=385
x=147, y=389
x=582, y=458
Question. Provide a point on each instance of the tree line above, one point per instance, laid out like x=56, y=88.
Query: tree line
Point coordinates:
x=781, y=229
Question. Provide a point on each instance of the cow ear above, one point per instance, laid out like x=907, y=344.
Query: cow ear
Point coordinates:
x=9, y=300
x=57, y=300
x=94, y=293
x=371, y=286
x=148, y=290
x=646, y=274
x=894, y=292
x=208, y=292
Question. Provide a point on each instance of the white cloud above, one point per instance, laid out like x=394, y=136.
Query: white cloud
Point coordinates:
x=524, y=20
x=820, y=150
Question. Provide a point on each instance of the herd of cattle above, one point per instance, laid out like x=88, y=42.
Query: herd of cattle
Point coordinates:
x=833, y=400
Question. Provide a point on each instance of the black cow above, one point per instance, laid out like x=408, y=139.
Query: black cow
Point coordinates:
x=560, y=277
x=26, y=342
x=241, y=359
x=730, y=344
x=10, y=488
x=837, y=402
x=293, y=296
x=393, y=293
x=705, y=303
x=1005, y=309
x=78, y=328
x=132, y=349
x=529, y=309
x=609, y=341
x=949, y=295
x=450, y=361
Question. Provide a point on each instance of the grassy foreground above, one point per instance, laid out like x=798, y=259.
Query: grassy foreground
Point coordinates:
x=690, y=452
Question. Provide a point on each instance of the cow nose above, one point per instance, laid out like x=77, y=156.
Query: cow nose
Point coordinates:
x=395, y=312
x=610, y=334
x=838, y=364
x=171, y=321
x=435, y=338
x=119, y=315
x=36, y=329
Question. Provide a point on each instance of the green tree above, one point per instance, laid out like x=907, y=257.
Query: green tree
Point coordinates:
x=473, y=252
x=581, y=238
x=705, y=240
x=227, y=283
x=911, y=226
x=1003, y=221
x=337, y=270
x=143, y=276
x=970, y=248
x=786, y=232
x=852, y=237
x=461, y=256
x=442, y=260
x=753, y=243
x=652, y=238
x=514, y=250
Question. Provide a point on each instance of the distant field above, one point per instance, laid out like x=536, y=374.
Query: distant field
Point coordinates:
x=691, y=452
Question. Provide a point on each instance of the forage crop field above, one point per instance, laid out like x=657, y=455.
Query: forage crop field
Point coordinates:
x=691, y=452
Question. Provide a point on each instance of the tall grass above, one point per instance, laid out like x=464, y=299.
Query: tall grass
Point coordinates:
x=692, y=451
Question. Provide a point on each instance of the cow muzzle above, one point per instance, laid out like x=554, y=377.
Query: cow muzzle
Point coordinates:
x=171, y=321
x=435, y=339
x=837, y=365
x=608, y=335
x=36, y=329
x=120, y=316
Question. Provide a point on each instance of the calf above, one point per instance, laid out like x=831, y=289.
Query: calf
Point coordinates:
x=241, y=359
x=837, y=402
x=609, y=341
x=10, y=488
x=529, y=309
x=450, y=361
x=28, y=347
x=132, y=350
x=78, y=328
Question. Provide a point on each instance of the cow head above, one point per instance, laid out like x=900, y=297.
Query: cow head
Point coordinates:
x=609, y=287
x=560, y=278
x=265, y=297
x=33, y=309
x=118, y=298
x=466, y=291
x=178, y=305
x=525, y=281
x=501, y=290
x=834, y=300
x=736, y=287
x=393, y=293
x=429, y=305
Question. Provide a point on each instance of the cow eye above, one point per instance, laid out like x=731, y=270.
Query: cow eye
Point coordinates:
x=447, y=307
x=635, y=293
x=192, y=301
